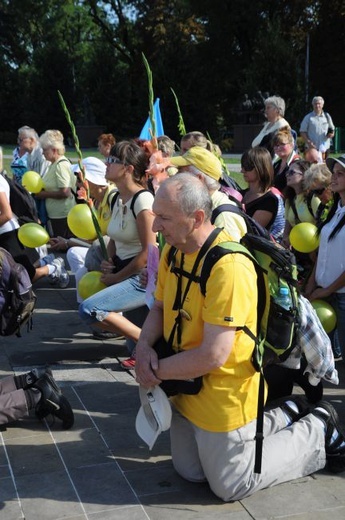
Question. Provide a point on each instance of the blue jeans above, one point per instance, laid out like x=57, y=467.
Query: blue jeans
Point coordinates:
x=337, y=300
x=123, y=296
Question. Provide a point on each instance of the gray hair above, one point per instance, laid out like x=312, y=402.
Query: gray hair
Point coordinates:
x=277, y=102
x=28, y=132
x=197, y=138
x=192, y=194
x=53, y=139
x=166, y=145
x=211, y=184
x=317, y=173
x=316, y=99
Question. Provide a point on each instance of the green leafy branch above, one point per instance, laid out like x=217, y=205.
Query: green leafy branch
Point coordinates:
x=151, y=99
x=84, y=182
x=180, y=125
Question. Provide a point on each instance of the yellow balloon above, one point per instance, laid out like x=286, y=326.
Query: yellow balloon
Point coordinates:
x=90, y=284
x=326, y=314
x=33, y=182
x=79, y=220
x=32, y=235
x=304, y=237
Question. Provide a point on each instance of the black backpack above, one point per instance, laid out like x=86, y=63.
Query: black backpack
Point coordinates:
x=253, y=227
x=22, y=202
x=17, y=299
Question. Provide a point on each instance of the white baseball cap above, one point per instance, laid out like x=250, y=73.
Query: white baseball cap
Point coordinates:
x=154, y=415
x=94, y=170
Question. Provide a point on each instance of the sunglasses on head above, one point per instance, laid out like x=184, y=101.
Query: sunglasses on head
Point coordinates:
x=113, y=160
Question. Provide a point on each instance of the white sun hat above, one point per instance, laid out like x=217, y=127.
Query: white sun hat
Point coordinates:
x=154, y=415
x=94, y=170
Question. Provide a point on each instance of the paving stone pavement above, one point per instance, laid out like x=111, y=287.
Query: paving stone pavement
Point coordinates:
x=100, y=469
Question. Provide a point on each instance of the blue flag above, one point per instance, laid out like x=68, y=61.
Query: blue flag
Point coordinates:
x=145, y=133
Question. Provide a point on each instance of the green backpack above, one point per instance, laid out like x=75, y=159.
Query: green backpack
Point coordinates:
x=276, y=326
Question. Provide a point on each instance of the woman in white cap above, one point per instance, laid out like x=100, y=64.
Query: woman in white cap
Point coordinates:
x=327, y=281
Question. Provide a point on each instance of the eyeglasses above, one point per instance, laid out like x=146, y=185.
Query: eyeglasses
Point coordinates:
x=113, y=160
x=290, y=173
x=319, y=191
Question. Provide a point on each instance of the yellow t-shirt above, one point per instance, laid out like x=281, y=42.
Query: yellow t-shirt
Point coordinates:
x=59, y=175
x=302, y=209
x=104, y=210
x=228, y=398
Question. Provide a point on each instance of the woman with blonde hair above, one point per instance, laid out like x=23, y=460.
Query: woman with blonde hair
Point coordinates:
x=195, y=138
x=283, y=145
x=59, y=184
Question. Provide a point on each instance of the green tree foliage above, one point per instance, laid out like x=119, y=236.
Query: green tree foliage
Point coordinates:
x=210, y=53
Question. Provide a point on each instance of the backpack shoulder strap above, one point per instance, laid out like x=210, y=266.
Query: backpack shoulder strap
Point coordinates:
x=113, y=200
x=215, y=254
x=310, y=208
x=294, y=209
x=135, y=196
x=225, y=207
x=110, y=197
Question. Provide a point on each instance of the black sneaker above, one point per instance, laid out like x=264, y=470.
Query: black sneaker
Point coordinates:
x=303, y=405
x=53, y=402
x=335, y=452
x=30, y=378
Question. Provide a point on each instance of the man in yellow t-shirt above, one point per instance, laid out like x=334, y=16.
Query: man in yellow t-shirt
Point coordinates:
x=212, y=432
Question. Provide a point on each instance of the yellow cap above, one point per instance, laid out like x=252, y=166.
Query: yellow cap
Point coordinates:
x=202, y=159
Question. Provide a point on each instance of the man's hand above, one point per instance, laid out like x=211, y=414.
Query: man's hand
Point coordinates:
x=146, y=363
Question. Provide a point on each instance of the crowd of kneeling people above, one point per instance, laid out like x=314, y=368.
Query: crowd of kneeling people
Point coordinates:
x=147, y=189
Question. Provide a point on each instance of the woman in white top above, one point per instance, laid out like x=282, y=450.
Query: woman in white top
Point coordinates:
x=327, y=281
x=274, y=113
x=130, y=232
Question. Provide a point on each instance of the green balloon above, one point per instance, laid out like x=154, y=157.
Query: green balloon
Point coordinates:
x=32, y=235
x=326, y=314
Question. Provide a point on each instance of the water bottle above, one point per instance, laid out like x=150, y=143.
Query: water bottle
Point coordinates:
x=283, y=299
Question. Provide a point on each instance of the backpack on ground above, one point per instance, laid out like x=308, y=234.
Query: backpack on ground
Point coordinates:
x=22, y=202
x=276, y=326
x=17, y=298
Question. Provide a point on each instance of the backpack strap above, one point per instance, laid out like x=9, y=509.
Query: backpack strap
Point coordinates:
x=294, y=209
x=180, y=273
x=110, y=197
x=211, y=258
x=134, y=198
x=225, y=207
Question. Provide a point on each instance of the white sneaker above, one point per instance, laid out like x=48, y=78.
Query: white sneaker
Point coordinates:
x=60, y=276
x=48, y=259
